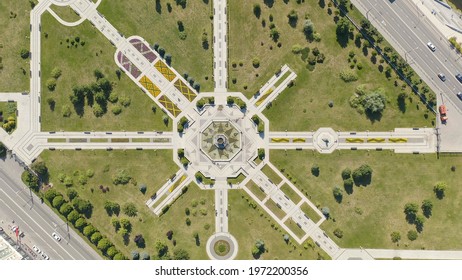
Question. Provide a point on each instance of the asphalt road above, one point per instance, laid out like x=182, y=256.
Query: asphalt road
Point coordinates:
x=411, y=31
x=36, y=220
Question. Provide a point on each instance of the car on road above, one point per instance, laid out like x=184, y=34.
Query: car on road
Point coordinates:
x=442, y=77
x=459, y=94
x=36, y=249
x=56, y=236
x=443, y=112
x=431, y=46
x=45, y=256
x=459, y=77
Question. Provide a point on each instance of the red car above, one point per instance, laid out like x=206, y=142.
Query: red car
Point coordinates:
x=443, y=112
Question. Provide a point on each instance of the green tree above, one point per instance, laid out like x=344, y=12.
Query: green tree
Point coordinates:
x=89, y=230
x=338, y=232
x=343, y=27
x=427, y=207
x=115, y=223
x=111, y=252
x=98, y=111
x=374, y=103
x=411, y=209
x=96, y=237
x=308, y=28
x=104, y=244
x=24, y=53
x=338, y=194
x=412, y=235
x=56, y=73
x=80, y=223
x=395, y=236
x=180, y=254
x=2, y=150
x=51, y=84
x=58, y=201
x=73, y=216
x=439, y=189
x=161, y=247
x=50, y=194
x=65, y=209
x=315, y=170
x=419, y=222
x=40, y=168
x=98, y=74
x=119, y=257
x=82, y=206
x=130, y=209
x=125, y=223
x=71, y=194
x=346, y=173
x=121, y=177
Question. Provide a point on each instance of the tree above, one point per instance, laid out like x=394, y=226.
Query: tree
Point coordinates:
x=165, y=119
x=135, y=255
x=104, y=244
x=419, y=222
x=40, y=168
x=96, y=237
x=374, y=103
x=257, y=10
x=65, y=209
x=124, y=233
x=66, y=111
x=161, y=247
x=130, y=209
x=89, y=230
x=362, y=175
x=308, y=28
x=325, y=211
x=51, y=84
x=50, y=194
x=71, y=194
x=82, y=206
x=293, y=18
x=274, y=33
x=412, y=235
x=411, y=209
x=80, y=223
x=143, y=188
x=188, y=221
x=343, y=27
x=125, y=223
x=346, y=173
x=98, y=74
x=139, y=241
x=2, y=150
x=119, y=257
x=115, y=223
x=439, y=189
x=255, y=63
x=338, y=194
x=31, y=180
x=180, y=254
x=315, y=170
x=395, y=237
x=58, y=201
x=145, y=256
x=98, y=111
x=73, y=216
x=121, y=177
x=427, y=207
x=24, y=53
x=169, y=234
x=111, y=207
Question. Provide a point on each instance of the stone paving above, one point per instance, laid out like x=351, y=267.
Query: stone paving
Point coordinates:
x=220, y=141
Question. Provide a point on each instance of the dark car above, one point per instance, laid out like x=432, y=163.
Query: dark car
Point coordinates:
x=459, y=94
x=442, y=77
x=459, y=77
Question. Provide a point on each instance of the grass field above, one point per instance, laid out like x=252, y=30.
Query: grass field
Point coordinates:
x=291, y=193
x=66, y=13
x=139, y=166
x=77, y=69
x=273, y=207
x=370, y=214
x=308, y=100
x=247, y=225
x=14, y=36
x=158, y=25
x=271, y=174
x=255, y=190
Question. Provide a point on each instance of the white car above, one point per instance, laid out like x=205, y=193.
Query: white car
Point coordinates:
x=14, y=228
x=431, y=46
x=45, y=256
x=56, y=236
x=36, y=249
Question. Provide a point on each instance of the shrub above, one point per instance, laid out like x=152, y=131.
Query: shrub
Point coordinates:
x=113, y=97
x=116, y=110
x=98, y=110
x=125, y=101
x=338, y=232
x=24, y=53
x=395, y=236
x=412, y=235
x=130, y=209
x=346, y=173
x=315, y=170
x=121, y=177
x=56, y=73
x=256, y=62
x=374, y=102
x=348, y=75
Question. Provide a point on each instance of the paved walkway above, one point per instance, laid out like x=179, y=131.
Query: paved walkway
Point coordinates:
x=220, y=46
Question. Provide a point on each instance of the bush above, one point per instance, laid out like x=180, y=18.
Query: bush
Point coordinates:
x=56, y=73
x=125, y=101
x=439, y=189
x=374, y=102
x=116, y=110
x=121, y=177
x=130, y=209
x=66, y=111
x=296, y=49
x=51, y=84
x=315, y=170
x=348, y=75
x=256, y=62
x=412, y=235
x=24, y=53
x=98, y=110
x=143, y=188
x=395, y=236
x=346, y=173
x=113, y=97
x=338, y=232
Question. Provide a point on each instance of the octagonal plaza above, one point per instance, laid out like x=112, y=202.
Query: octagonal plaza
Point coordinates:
x=220, y=142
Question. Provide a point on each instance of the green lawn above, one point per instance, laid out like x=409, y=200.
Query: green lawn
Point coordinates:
x=14, y=36
x=294, y=228
x=140, y=166
x=158, y=25
x=273, y=207
x=370, y=214
x=247, y=225
x=66, y=13
x=255, y=189
x=7, y=110
x=268, y=171
x=308, y=100
x=313, y=215
x=291, y=193
x=77, y=69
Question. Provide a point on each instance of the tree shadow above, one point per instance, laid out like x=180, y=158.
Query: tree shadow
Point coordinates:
x=410, y=218
x=293, y=22
x=363, y=181
x=322, y=4
x=402, y=104
x=348, y=188
x=269, y=3
x=126, y=239
x=79, y=108
x=342, y=40
x=198, y=241
x=205, y=1
x=358, y=42
x=158, y=7
x=365, y=51
x=339, y=198
x=374, y=117
x=205, y=45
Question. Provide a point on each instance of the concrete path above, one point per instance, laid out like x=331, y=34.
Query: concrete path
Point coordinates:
x=220, y=46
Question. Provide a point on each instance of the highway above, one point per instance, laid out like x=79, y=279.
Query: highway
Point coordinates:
x=36, y=220
x=411, y=31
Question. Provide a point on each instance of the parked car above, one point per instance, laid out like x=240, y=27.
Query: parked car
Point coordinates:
x=442, y=77
x=431, y=46
x=56, y=236
x=443, y=112
x=459, y=94
x=459, y=77
x=36, y=249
